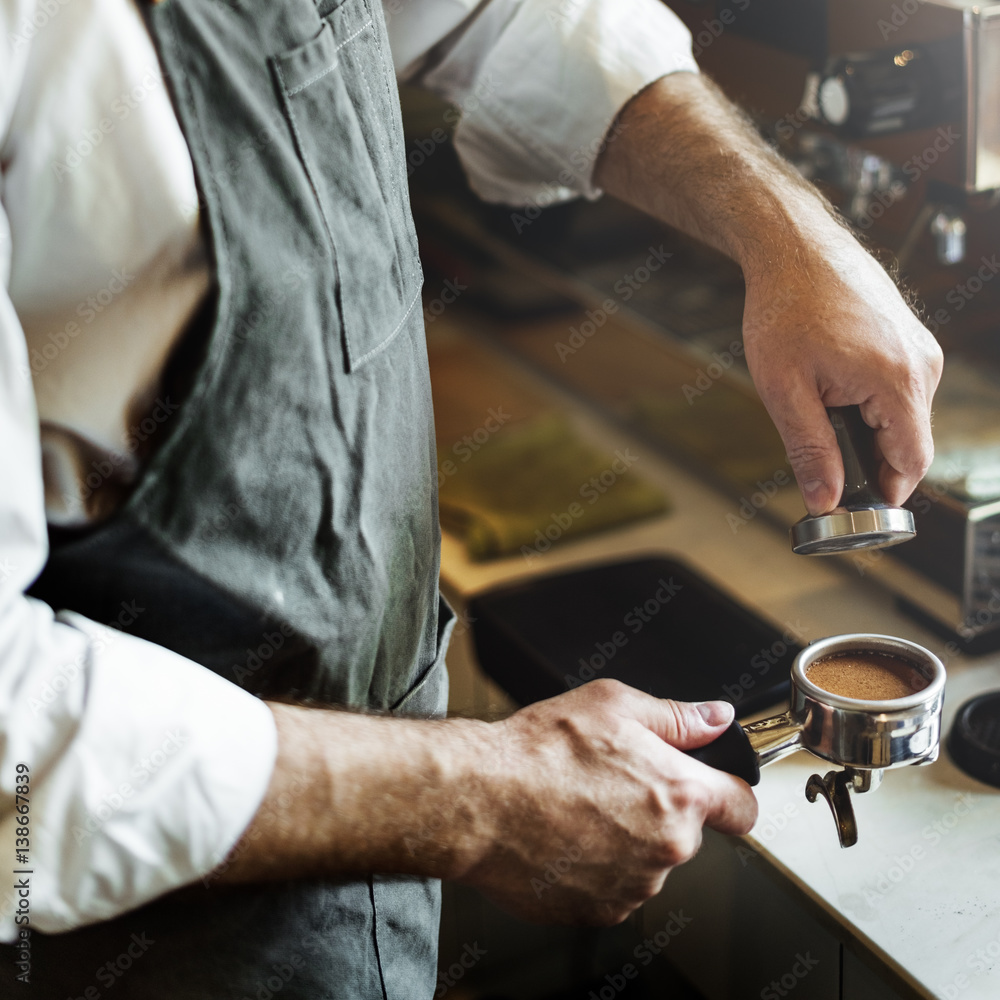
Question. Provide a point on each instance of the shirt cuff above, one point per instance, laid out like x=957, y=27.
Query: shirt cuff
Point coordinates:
x=538, y=115
x=164, y=767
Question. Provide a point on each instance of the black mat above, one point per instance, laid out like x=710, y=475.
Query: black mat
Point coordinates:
x=652, y=623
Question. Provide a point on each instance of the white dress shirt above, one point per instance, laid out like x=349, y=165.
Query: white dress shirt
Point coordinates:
x=146, y=767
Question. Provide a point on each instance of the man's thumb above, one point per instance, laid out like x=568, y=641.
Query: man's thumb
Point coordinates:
x=688, y=725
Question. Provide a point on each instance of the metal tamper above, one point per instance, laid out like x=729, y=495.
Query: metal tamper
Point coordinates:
x=864, y=520
x=864, y=737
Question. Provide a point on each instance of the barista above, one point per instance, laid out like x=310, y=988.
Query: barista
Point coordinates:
x=284, y=508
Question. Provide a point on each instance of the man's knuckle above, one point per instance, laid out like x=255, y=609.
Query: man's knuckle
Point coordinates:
x=808, y=453
x=658, y=804
x=608, y=690
x=671, y=853
x=665, y=854
x=920, y=464
x=603, y=685
x=689, y=797
x=682, y=800
x=686, y=845
x=935, y=356
x=674, y=848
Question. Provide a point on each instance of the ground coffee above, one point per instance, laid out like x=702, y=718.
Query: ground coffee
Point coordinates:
x=866, y=675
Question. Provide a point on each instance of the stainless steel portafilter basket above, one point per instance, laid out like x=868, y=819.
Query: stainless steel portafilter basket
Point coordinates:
x=865, y=738
x=864, y=520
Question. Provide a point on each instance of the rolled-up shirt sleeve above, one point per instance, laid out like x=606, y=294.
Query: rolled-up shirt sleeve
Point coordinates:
x=538, y=83
x=125, y=769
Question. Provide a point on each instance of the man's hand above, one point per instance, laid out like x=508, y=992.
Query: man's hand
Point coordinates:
x=599, y=805
x=591, y=779
x=840, y=334
x=823, y=324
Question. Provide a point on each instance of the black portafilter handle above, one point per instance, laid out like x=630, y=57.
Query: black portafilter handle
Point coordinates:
x=731, y=752
x=856, y=441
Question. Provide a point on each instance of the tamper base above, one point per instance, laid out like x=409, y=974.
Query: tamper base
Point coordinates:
x=844, y=530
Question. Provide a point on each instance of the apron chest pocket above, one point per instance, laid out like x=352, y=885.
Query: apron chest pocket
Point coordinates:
x=339, y=96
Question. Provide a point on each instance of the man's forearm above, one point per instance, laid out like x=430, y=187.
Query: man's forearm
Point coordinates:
x=691, y=159
x=355, y=793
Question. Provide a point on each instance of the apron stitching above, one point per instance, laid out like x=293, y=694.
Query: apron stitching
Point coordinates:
x=313, y=79
x=385, y=154
x=385, y=343
x=378, y=957
x=388, y=92
x=309, y=176
x=346, y=41
x=329, y=69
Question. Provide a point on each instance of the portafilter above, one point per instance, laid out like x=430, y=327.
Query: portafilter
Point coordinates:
x=865, y=738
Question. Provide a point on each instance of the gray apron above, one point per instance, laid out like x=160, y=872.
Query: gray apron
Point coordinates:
x=284, y=532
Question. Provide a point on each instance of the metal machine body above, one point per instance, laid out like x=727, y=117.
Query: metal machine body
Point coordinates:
x=960, y=551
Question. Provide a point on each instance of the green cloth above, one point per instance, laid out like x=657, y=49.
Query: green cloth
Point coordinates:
x=531, y=486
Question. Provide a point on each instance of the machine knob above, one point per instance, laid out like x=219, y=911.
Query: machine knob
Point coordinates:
x=834, y=100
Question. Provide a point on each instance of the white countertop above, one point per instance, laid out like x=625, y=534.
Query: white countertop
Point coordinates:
x=921, y=889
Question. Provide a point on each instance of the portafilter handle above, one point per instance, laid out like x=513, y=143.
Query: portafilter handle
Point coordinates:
x=731, y=752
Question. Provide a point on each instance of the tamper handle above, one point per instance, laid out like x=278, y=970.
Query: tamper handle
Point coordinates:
x=731, y=752
x=856, y=441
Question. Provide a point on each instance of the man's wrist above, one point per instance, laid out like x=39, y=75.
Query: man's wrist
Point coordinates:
x=459, y=798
